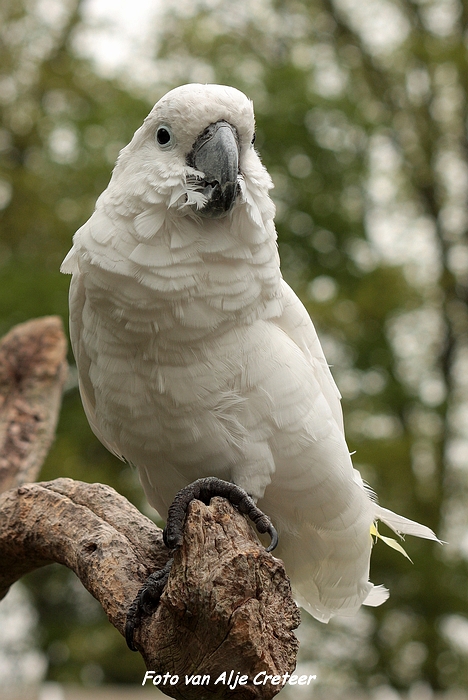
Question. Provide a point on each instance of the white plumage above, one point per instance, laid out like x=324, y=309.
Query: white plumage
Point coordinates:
x=195, y=358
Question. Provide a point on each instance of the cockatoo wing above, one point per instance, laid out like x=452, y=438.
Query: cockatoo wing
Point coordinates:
x=77, y=300
x=326, y=545
x=297, y=324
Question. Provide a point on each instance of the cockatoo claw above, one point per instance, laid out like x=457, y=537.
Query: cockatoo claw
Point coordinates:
x=204, y=490
x=146, y=601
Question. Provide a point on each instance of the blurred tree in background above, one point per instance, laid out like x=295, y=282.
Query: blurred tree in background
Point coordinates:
x=362, y=122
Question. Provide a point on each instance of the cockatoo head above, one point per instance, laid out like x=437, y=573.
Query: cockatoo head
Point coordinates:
x=200, y=138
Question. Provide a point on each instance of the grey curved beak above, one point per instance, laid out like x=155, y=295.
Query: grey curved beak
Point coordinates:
x=215, y=153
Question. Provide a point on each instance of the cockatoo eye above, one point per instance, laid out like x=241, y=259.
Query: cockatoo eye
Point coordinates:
x=164, y=137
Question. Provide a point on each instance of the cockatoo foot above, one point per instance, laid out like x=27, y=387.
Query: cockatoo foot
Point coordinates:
x=146, y=601
x=203, y=490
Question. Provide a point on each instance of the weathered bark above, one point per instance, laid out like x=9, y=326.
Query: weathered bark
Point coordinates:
x=33, y=369
x=227, y=605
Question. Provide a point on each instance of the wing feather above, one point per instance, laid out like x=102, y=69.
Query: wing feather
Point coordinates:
x=77, y=299
x=297, y=324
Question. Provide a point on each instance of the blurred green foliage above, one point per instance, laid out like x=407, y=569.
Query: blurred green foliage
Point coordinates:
x=356, y=132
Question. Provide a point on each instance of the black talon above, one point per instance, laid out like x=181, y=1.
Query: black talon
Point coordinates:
x=203, y=490
x=146, y=601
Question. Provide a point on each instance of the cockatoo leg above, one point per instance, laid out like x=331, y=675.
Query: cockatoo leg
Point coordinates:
x=203, y=490
x=146, y=601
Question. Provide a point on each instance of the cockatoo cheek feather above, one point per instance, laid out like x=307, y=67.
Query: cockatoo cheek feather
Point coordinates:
x=195, y=358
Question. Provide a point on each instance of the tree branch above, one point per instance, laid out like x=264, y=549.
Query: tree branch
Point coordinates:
x=33, y=370
x=227, y=605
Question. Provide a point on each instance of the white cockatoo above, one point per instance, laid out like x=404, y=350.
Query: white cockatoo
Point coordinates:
x=196, y=359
